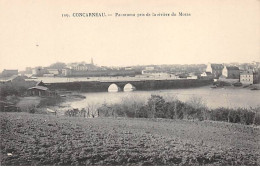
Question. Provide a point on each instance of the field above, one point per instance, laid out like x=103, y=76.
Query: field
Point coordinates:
x=39, y=139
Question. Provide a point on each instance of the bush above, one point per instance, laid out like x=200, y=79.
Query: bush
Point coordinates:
x=14, y=89
x=257, y=119
x=104, y=111
x=240, y=115
x=143, y=112
x=194, y=108
x=256, y=111
x=170, y=110
x=219, y=114
x=156, y=105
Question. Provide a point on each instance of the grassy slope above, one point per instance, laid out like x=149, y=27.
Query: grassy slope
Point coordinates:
x=49, y=140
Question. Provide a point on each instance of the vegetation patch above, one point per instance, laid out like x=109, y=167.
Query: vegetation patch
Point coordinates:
x=193, y=109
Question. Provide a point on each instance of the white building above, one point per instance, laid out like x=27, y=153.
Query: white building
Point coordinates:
x=80, y=67
x=192, y=77
x=128, y=68
x=215, y=69
x=149, y=68
x=53, y=71
x=204, y=74
x=66, y=72
x=248, y=77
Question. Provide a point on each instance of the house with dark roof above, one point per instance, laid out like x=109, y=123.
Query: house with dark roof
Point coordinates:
x=40, y=90
x=40, y=84
x=206, y=75
x=231, y=72
x=215, y=69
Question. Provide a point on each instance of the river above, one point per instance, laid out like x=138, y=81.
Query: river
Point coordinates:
x=229, y=97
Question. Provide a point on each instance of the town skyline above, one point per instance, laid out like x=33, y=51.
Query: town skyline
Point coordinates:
x=89, y=62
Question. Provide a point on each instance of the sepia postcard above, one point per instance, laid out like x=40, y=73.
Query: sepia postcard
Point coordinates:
x=130, y=83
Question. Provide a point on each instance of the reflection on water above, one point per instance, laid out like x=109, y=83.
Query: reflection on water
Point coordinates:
x=113, y=88
x=129, y=87
x=221, y=97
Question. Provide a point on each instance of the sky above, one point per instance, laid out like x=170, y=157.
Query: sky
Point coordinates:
x=33, y=33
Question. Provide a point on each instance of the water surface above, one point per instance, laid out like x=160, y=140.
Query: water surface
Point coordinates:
x=229, y=97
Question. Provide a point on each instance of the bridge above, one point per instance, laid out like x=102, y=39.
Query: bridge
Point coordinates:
x=142, y=85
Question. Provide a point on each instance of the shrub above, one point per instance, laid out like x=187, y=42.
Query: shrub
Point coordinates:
x=14, y=89
x=246, y=116
x=219, y=114
x=170, y=110
x=156, y=105
x=104, y=111
x=234, y=116
x=131, y=106
x=194, y=108
x=257, y=119
x=143, y=112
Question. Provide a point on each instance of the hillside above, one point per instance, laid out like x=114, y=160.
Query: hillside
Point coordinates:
x=28, y=139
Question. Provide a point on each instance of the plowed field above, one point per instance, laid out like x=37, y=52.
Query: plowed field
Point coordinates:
x=36, y=139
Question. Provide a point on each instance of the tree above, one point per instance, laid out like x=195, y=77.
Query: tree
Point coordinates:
x=58, y=65
x=156, y=105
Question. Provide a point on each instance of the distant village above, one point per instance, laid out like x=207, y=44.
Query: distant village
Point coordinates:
x=246, y=73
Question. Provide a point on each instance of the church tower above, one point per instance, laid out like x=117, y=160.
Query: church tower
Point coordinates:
x=92, y=62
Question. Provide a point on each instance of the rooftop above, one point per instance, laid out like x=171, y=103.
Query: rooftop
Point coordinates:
x=39, y=88
x=232, y=68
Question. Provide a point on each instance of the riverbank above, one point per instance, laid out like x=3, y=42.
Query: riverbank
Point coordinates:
x=36, y=139
x=238, y=85
x=55, y=103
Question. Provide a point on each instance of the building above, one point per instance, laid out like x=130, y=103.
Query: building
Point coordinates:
x=79, y=67
x=40, y=84
x=83, y=67
x=53, y=71
x=215, y=69
x=38, y=91
x=149, y=68
x=39, y=71
x=204, y=74
x=48, y=75
x=66, y=72
x=8, y=73
x=28, y=70
x=36, y=70
x=92, y=62
x=248, y=77
x=231, y=72
x=128, y=68
x=192, y=77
